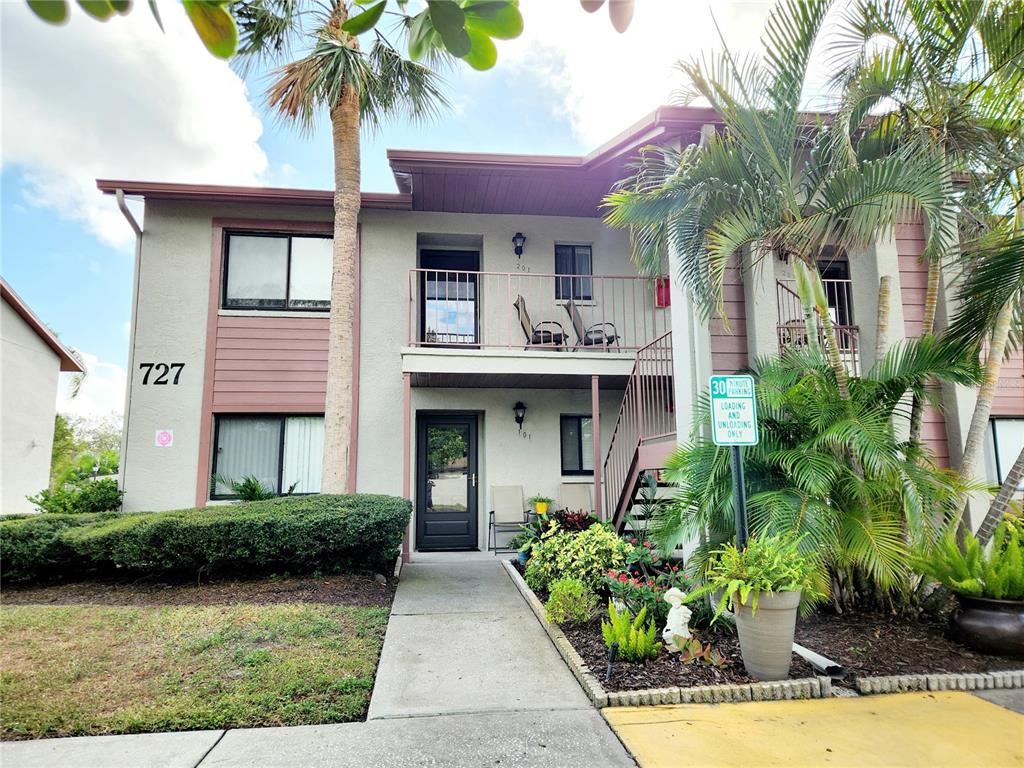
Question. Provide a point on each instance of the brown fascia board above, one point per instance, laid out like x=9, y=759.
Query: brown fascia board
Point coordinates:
x=216, y=193
x=68, y=362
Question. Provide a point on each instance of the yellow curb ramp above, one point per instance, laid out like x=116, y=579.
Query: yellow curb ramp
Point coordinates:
x=931, y=730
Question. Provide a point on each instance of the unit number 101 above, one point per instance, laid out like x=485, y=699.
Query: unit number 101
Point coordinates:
x=161, y=371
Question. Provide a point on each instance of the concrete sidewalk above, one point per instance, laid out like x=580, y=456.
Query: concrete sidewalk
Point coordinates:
x=466, y=678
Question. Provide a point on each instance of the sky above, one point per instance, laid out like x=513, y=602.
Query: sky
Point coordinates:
x=124, y=100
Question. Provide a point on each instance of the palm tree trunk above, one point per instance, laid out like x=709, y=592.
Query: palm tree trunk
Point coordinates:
x=983, y=407
x=1002, y=500
x=882, y=325
x=931, y=303
x=338, y=410
x=806, y=294
x=835, y=360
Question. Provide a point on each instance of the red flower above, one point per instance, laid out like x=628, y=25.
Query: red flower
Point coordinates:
x=622, y=578
x=612, y=573
x=632, y=541
x=675, y=568
x=650, y=583
x=635, y=581
x=647, y=544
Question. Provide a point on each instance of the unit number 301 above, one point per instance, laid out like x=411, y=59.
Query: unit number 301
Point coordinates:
x=161, y=372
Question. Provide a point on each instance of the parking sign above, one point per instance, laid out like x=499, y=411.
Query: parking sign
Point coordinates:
x=733, y=411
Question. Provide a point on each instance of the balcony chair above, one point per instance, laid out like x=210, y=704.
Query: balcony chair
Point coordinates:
x=535, y=334
x=576, y=496
x=508, y=514
x=597, y=335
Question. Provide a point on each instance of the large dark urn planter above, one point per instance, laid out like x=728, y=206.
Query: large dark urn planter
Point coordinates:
x=990, y=626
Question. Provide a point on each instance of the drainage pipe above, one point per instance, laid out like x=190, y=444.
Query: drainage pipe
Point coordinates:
x=123, y=206
x=820, y=663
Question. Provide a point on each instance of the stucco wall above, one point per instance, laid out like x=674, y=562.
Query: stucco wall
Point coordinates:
x=171, y=327
x=29, y=403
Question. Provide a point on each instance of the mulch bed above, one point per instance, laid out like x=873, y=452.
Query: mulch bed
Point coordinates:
x=872, y=644
x=356, y=589
x=665, y=671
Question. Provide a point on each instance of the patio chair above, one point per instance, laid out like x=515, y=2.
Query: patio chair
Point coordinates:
x=508, y=514
x=596, y=335
x=576, y=496
x=536, y=334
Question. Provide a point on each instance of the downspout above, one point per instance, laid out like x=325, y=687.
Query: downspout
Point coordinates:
x=119, y=194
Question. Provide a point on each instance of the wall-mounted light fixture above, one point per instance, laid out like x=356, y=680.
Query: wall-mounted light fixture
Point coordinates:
x=520, y=411
x=519, y=240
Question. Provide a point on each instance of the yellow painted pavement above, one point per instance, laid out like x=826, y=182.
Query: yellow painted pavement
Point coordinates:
x=931, y=730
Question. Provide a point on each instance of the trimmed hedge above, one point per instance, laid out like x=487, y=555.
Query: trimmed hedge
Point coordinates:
x=294, y=534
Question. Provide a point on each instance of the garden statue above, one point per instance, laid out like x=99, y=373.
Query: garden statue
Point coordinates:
x=677, y=626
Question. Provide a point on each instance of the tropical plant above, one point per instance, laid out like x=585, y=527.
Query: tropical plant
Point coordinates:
x=968, y=570
x=830, y=471
x=574, y=519
x=357, y=88
x=249, y=488
x=646, y=591
x=570, y=601
x=587, y=556
x=633, y=636
x=538, y=499
x=767, y=564
x=773, y=181
x=693, y=651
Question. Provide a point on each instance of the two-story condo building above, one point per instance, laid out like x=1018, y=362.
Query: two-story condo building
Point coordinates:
x=502, y=336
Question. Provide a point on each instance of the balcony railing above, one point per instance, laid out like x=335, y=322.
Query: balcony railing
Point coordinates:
x=792, y=329
x=532, y=311
x=647, y=415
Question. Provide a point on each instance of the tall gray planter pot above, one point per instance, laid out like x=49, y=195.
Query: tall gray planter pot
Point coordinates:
x=766, y=637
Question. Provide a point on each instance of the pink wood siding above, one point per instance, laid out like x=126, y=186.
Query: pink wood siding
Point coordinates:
x=913, y=287
x=729, y=347
x=1009, y=397
x=270, y=363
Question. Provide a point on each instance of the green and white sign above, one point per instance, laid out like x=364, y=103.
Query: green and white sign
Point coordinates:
x=733, y=411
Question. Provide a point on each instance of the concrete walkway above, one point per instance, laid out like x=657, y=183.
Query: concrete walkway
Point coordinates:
x=467, y=678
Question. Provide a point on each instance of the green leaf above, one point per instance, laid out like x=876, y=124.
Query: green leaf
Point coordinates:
x=156, y=14
x=98, y=9
x=495, y=18
x=215, y=27
x=53, y=11
x=121, y=6
x=482, y=55
x=450, y=22
x=366, y=20
x=421, y=35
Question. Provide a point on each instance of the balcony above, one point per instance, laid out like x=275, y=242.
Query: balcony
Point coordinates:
x=792, y=329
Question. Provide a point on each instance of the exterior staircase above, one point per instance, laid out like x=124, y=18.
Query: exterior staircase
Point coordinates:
x=645, y=432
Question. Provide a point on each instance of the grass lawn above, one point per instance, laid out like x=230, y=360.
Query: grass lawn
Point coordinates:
x=90, y=669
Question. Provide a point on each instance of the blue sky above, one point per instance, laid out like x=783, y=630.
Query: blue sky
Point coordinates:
x=154, y=106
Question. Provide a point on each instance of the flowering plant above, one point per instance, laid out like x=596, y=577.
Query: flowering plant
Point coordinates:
x=645, y=590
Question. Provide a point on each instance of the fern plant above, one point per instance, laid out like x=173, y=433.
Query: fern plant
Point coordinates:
x=998, y=575
x=634, y=637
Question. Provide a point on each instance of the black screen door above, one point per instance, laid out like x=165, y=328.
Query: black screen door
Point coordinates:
x=446, y=472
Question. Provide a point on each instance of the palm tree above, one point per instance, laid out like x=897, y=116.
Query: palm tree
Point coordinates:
x=774, y=180
x=862, y=517
x=357, y=88
x=950, y=73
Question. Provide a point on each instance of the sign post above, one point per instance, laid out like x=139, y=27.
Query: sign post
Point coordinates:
x=734, y=424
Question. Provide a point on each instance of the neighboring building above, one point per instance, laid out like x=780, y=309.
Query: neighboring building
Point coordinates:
x=31, y=359
x=229, y=340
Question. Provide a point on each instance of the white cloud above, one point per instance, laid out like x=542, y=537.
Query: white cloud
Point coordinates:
x=101, y=393
x=604, y=81
x=119, y=100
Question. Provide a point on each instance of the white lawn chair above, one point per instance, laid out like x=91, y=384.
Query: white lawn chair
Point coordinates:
x=507, y=514
x=576, y=496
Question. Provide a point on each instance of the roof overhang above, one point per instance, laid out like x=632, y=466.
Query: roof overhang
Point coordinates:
x=68, y=362
x=217, y=193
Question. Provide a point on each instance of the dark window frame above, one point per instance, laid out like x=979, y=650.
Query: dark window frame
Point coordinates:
x=561, y=282
x=578, y=418
x=268, y=233
x=218, y=418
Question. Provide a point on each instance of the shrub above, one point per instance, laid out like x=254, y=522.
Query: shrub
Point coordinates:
x=570, y=602
x=295, y=534
x=574, y=519
x=586, y=556
x=999, y=575
x=31, y=547
x=83, y=498
x=635, y=638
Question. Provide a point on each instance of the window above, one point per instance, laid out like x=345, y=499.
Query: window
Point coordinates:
x=576, y=261
x=577, y=445
x=285, y=453
x=264, y=271
x=1003, y=442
